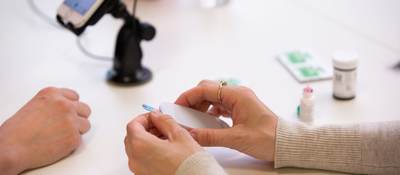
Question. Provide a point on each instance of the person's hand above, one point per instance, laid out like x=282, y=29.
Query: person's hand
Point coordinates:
x=254, y=125
x=46, y=129
x=156, y=144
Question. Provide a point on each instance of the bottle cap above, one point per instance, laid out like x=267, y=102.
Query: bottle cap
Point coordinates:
x=308, y=92
x=345, y=60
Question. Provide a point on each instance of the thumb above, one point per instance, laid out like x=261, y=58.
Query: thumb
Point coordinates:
x=167, y=126
x=213, y=137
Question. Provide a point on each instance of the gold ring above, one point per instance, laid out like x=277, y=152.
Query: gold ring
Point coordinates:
x=219, y=94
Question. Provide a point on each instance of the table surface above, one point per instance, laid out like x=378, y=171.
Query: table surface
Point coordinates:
x=240, y=40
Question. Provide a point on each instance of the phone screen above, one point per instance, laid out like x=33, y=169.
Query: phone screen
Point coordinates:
x=80, y=6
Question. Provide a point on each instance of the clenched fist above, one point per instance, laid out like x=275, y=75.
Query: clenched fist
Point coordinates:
x=46, y=129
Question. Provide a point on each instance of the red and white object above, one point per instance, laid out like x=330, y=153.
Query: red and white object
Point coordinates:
x=307, y=105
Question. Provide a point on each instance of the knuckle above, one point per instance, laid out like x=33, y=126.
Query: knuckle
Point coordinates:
x=126, y=140
x=178, y=131
x=131, y=165
x=245, y=91
x=166, y=118
x=48, y=91
x=205, y=82
x=138, y=146
x=130, y=127
x=75, y=140
x=64, y=105
x=86, y=107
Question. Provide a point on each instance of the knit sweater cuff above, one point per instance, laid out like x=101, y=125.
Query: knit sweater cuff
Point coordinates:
x=326, y=147
x=201, y=163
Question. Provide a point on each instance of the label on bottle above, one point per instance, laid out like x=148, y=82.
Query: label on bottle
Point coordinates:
x=344, y=83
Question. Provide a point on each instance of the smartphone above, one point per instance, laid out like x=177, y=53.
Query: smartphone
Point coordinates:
x=78, y=12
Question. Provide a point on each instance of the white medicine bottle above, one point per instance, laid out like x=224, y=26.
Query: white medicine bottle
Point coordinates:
x=345, y=75
x=306, y=108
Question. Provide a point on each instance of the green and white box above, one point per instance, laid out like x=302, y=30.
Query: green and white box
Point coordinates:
x=304, y=66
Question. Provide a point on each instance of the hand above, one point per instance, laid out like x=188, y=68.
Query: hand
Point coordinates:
x=46, y=129
x=254, y=125
x=156, y=144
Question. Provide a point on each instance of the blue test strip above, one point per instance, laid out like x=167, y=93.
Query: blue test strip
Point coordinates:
x=148, y=108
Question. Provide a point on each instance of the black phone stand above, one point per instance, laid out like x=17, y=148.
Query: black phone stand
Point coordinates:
x=127, y=67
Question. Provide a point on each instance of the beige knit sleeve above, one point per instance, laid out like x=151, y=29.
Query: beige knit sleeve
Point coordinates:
x=201, y=163
x=363, y=148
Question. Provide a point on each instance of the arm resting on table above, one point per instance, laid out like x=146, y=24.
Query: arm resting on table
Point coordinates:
x=363, y=148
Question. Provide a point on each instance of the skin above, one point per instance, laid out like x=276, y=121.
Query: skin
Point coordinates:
x=153, y=148
x=156, y=144
x=45, y=130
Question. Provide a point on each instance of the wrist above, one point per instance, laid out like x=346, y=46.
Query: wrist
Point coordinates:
x=9, y=162
x=269, y=130
x=10, y=157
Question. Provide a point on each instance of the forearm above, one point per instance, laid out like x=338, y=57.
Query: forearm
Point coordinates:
x=201, y=163
x=365, y=148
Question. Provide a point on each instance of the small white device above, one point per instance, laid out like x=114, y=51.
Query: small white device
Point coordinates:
x=78, y=12
x=189, y=117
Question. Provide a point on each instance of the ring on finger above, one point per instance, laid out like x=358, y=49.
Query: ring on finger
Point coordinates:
x=219, y=93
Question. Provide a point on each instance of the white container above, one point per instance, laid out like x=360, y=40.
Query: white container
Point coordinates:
x=306, y=112
x=345, y=75
x=213, y=3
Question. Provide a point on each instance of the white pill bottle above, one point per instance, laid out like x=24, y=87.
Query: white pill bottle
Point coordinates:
x=345, y=75
x=306, y=111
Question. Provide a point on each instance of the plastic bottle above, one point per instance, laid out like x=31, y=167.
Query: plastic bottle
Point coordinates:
x=345, y=75
x=306, y=108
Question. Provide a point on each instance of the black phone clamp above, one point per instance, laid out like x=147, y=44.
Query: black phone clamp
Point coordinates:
x=127, y=67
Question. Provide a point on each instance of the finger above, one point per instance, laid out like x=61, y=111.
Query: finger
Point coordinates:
x=214, y=111
x=218, y=110
x=127, y=147
x=136, y=131
x=69, y=94
x=203, y=106
x=208, y=92
x=83, y=109
x=167, y=126
x=144, y=120
x=83, y=124
x=213, y=137
x=155, y=132
x=128, y=152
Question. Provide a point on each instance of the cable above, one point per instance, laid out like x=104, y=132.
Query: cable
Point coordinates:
x=32, y=4
x=134, y=7
x=42, y=15
x=397, y=66
x=88, y=53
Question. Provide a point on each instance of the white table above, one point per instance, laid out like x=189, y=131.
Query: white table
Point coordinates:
x=240, y=40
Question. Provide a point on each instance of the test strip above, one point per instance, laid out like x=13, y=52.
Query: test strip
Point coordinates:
x=148, y=108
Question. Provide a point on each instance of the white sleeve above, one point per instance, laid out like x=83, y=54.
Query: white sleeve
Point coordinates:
x=201, y=163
